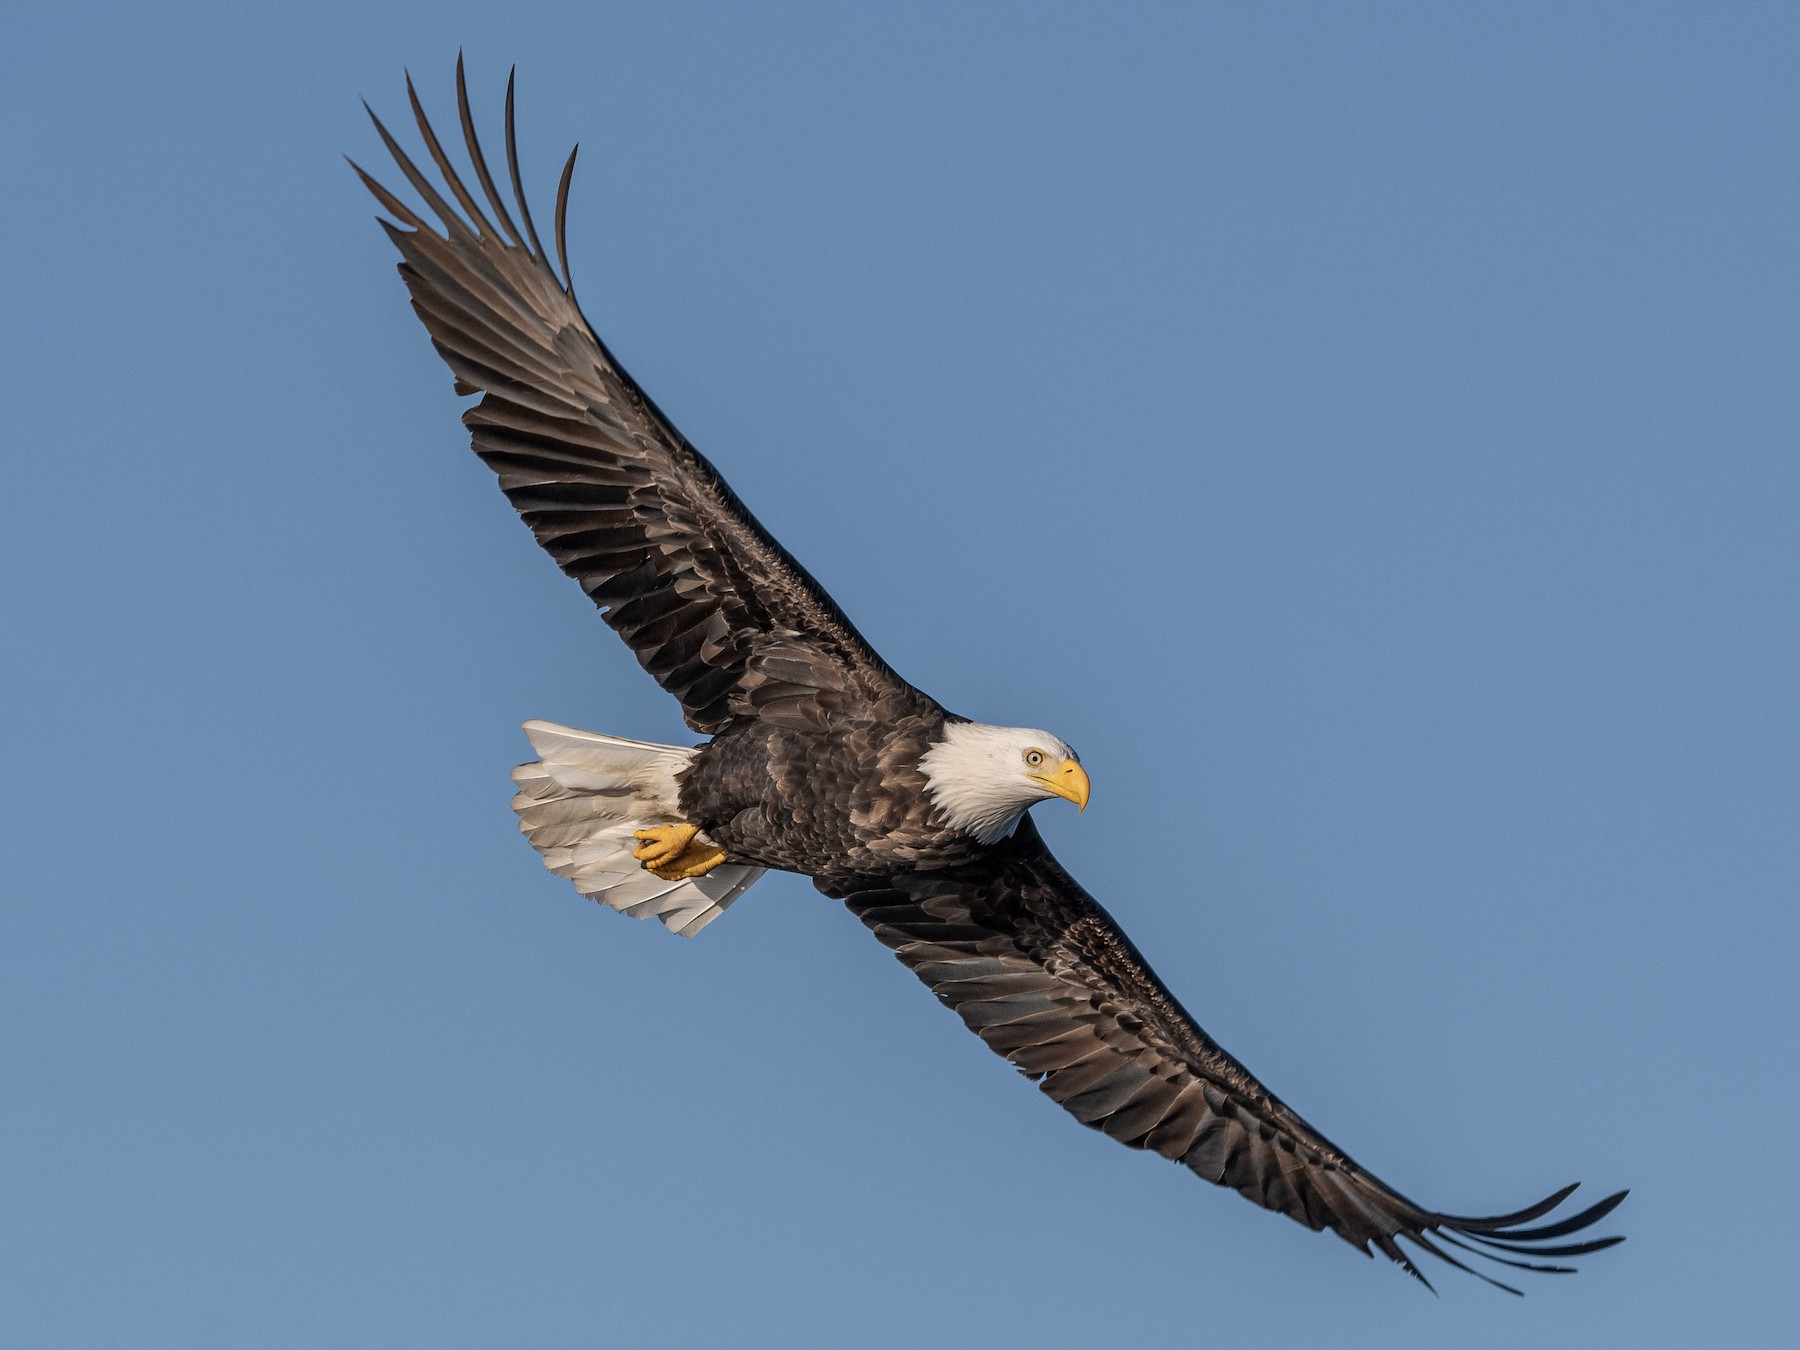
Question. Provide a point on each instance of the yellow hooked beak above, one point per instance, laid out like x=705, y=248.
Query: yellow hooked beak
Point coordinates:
x=1070, y=782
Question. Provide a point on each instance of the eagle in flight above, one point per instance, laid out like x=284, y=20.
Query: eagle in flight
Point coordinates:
x=822, y=760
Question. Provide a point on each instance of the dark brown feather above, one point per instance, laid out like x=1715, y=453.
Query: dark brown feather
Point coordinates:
x=1038, y=970
x=714, y=608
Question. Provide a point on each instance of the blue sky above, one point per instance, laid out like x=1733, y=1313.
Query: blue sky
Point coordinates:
x=1368, y=433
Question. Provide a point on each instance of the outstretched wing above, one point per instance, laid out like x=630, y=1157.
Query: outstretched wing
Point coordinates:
x=713, y=607
x=1041, y=972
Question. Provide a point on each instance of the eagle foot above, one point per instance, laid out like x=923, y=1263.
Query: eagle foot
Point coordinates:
x=670, y=852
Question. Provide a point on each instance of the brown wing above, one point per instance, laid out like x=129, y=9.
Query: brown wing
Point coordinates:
x=713, y=607
x=1041, y=972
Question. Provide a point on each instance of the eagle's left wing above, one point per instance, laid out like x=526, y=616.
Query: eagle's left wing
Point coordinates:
x=711, y=604
x=1040, y=971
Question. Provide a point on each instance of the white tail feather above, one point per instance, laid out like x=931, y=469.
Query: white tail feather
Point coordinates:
x=581, y=805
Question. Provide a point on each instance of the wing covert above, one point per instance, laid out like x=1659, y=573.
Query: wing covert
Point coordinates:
x=1038, y=970
x=714, y=608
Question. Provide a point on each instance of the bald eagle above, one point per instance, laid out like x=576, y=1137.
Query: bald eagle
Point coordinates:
x=821, y=760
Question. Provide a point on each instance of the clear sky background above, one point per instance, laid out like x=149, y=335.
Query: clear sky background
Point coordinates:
x=1368, y=433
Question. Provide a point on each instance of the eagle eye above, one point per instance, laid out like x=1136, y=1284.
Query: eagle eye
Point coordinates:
x=1035, y=758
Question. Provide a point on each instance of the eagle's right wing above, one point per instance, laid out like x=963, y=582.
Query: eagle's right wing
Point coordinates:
x=1040, y=971
x=711, y=604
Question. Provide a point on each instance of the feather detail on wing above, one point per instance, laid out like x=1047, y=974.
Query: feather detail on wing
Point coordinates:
x=1038, y=970
x=714, y=608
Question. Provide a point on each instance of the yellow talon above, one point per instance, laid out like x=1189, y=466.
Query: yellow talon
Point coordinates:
x=670, y=852
x=692, y=862
x=663, y=843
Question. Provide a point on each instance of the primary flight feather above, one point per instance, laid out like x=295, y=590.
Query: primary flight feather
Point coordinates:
x=823, y=761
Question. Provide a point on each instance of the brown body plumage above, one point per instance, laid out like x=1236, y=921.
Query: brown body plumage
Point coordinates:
x=837, y=802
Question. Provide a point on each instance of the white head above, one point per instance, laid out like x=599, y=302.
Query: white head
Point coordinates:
x=983, y=778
